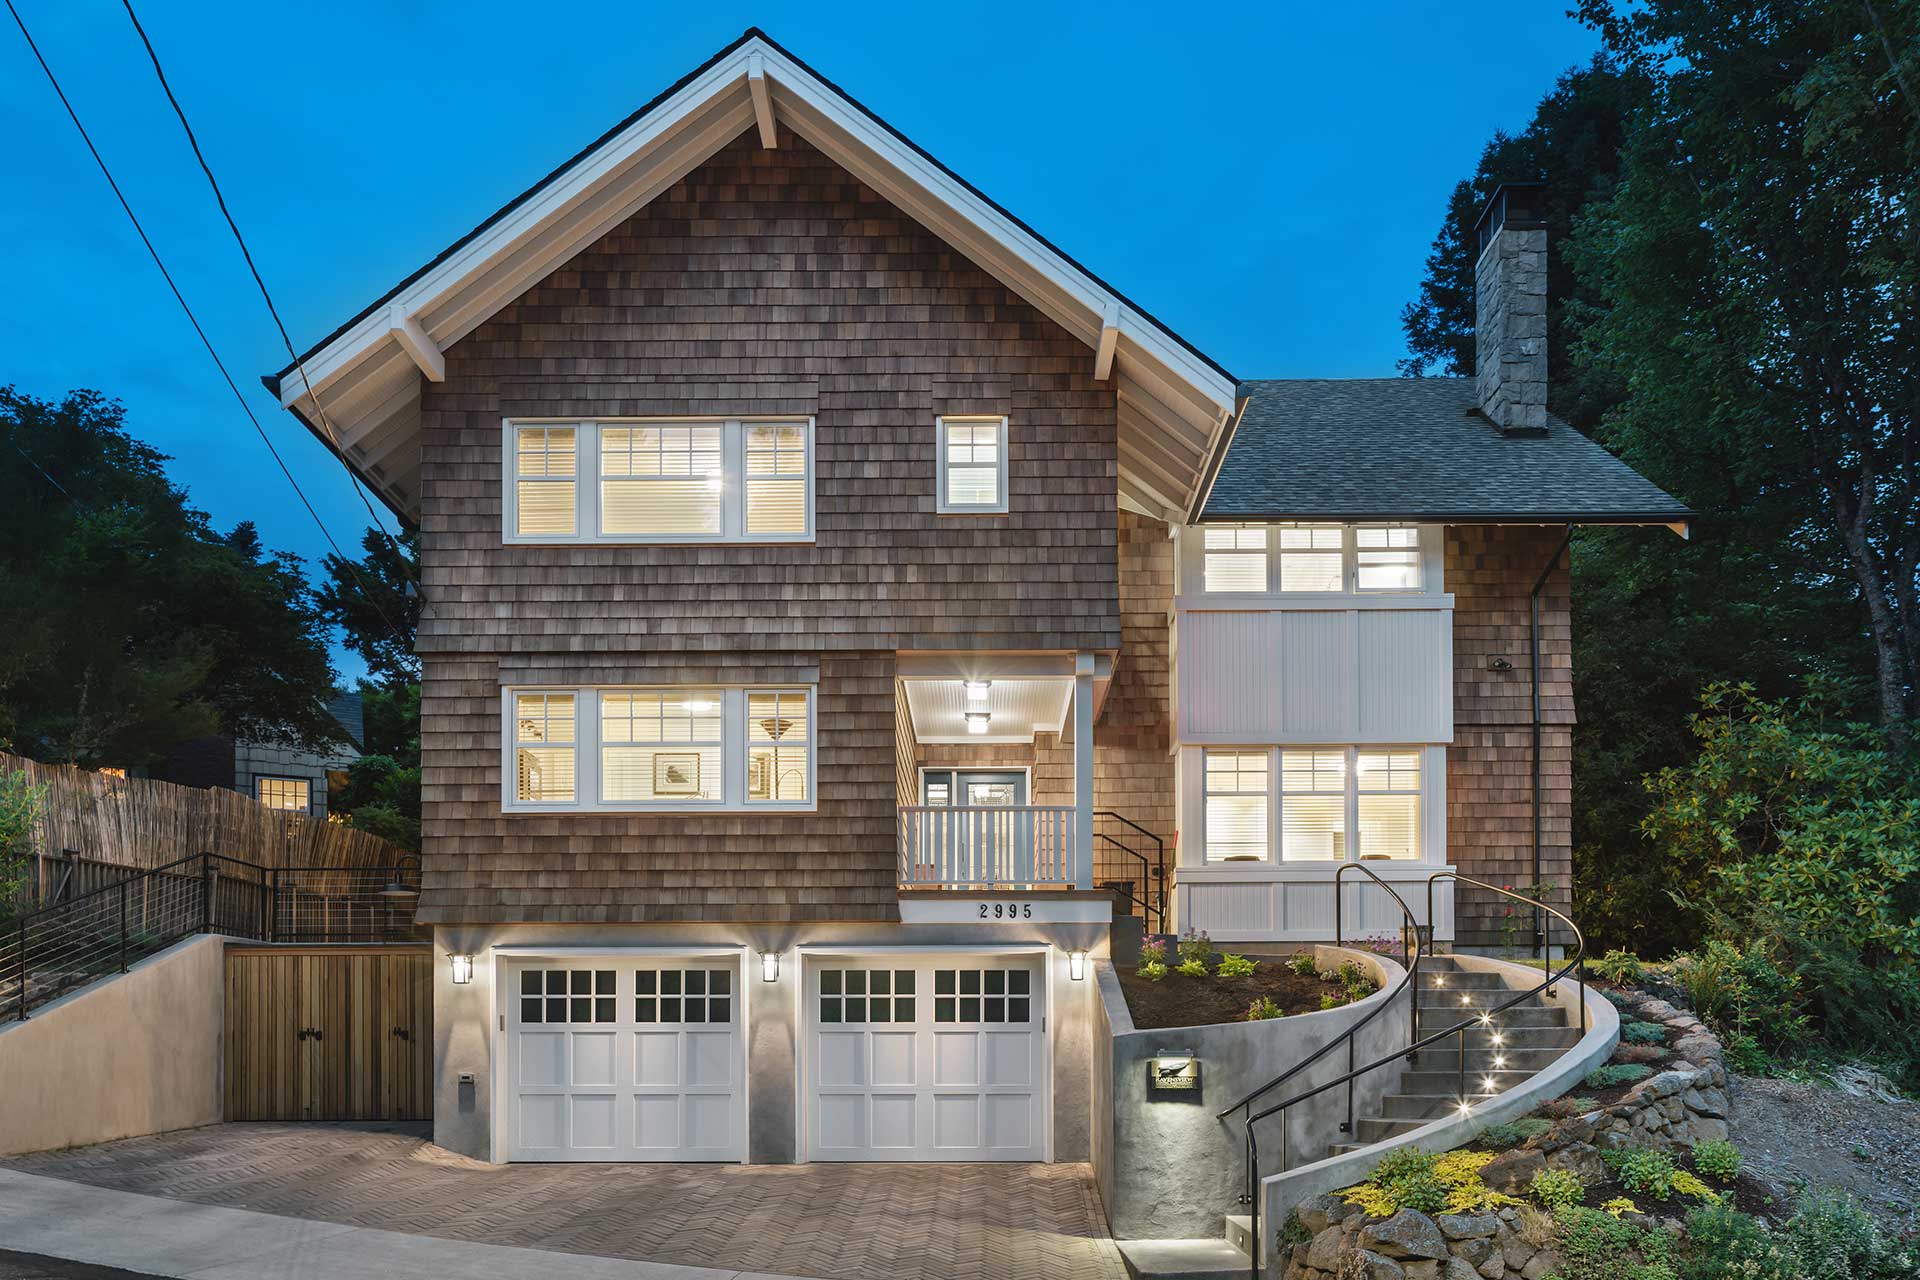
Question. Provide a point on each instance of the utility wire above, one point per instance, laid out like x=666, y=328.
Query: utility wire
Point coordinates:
x=221, y=199
x=195, y=321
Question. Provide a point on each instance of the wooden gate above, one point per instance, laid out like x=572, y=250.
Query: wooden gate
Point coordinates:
x=329, y=1033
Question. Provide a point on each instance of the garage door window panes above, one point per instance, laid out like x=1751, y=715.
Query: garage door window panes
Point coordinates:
x=683, y=995
x=867, y=995
x=982, y=995
x=566, y=996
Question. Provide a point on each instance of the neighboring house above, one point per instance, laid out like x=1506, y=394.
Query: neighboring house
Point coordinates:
x=277, y=774
x=836, y=597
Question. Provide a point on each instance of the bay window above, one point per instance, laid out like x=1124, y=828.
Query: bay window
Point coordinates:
x=678, y=748
x=704, y=480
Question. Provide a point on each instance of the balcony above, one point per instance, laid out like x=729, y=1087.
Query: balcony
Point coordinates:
x=1018, y=847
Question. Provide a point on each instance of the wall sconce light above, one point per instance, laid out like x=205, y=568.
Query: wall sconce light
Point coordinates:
x=1076, y=965
x=977, y=689
x=1499, y=664
x=977, y=721
x=769, y=966
x=462, y=969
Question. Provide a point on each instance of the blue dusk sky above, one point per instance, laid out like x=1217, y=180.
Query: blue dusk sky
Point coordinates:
x=1265, y=178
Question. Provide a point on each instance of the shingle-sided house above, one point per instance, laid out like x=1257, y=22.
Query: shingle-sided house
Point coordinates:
x=839, y=602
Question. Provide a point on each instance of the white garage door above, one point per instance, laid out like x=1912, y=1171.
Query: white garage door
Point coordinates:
x=613, y=1058
x=916, y=1058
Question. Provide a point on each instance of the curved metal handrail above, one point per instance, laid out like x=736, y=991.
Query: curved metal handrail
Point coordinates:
x=1576, y=964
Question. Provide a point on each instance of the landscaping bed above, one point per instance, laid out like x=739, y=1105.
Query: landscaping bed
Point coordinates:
x=1205, y=986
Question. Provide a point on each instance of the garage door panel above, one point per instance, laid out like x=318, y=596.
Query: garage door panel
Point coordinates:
x=842, y=1059
x=656, y=1059
x=543, y=1059
x=543, y=1121
x=592, y=1117
x=1009, y=1059
x=710, y=1059
x=709, y=1121
x=956, y=1056
x=843, y=1122
x=893, y=1059
x=956, y=1121
x=593, y=1061
x=893, y=1127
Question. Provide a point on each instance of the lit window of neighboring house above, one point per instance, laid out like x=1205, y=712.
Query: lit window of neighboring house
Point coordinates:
x=283, y=793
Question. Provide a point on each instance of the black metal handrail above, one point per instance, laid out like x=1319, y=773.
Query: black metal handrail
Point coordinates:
x=1153, y=875
x=1411, y=951
x=1576, y=965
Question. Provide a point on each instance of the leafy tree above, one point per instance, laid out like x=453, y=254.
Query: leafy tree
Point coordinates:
x=131, y=624
x=382, y=794
x=370, y=602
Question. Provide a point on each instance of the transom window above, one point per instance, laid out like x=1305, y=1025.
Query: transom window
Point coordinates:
x=973, y=465
x=293, y=794
x=1236, y=805
x=1336, y=804
x=982, y=995
x=660, y=747
x=566, y=995
x=1387, y=558
x=706, y=480
x=682, y=995
x=867, y=995
x=1236, y=558
x=1311, y=558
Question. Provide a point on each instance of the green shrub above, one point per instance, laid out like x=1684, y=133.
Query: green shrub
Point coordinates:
x=1293, y=1231
x=20, y=803
x=1232, y=966
x=1302, y=964
x=1831, y=1238
x=1262, y=1009
x=1643, y=1033
x=1619, y=966
x=1643, y=1170
x=1196, y=948
x=1354, y=982
x=1152, y=970
x=1717, y=1159
x=1154, y=952
x=1557, y=1188
x=1724, y=1244
x=1515, y=1132
x=1331, y=1001
x=1616, y=1074
x=1745, y=993
x=1745, y=1055
x=1409, y=1180
x=1563, y=1108
x=1597, y=1245
x=1192, y=968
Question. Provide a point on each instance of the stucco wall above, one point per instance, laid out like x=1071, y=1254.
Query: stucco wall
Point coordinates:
x=134, y=1055
x=464, y=1016
x=1167, y=1166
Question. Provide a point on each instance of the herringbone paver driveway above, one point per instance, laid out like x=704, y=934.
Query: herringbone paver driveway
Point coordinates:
x=862, y=1222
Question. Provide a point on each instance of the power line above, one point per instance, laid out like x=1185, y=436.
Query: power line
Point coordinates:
x=221, y=199
x=195, y=322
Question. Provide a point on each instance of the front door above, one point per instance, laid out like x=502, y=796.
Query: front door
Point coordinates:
x=989, y=837
x=973, y=788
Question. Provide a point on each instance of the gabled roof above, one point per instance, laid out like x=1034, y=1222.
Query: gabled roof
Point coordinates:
x=1416, y=449
x=1174, y=401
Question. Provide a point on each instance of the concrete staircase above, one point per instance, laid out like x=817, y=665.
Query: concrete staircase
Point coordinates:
x=1517, y=1043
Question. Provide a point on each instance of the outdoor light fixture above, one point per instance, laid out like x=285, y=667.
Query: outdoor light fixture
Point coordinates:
x=462, y=969
x=977, y=721
x=1076, y=965
x=398, y=887
x=769, y=966
x=977, y=689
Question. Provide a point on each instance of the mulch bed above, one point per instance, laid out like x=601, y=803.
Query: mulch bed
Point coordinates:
x=1179, y=1001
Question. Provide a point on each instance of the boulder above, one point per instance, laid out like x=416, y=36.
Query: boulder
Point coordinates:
x=1515, y=1251
x=1321, y=1212
x=1323, y=1254
x=1582, y=1159
x=1474, y=1252
x=1511, y=1171
x=1458, y=1270
x=1407, y=1234
x=1421, y=1270
x=1707, y=1129
x=1372, y=1266
x=1466, y=1226
x=1542, y=1265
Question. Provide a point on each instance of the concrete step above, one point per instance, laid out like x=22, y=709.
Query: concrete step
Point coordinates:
x=1372, y=1129
x=1466, y=1004
x=1239, y=1232
x=1483, y=1060
x=1183, y=1259
x=1528, y=1035
x=1431, y=1106
x=1439, y=1082
x=1461, y=980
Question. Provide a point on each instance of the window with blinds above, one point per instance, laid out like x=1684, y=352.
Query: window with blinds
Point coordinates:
x=1387, y=806
x=696, y=481
x=777, y=745
x=660, y=745
x=543, y=748
x=1236, y=557
x=1235, y=804
x=1386, y=558
x=292, y=794
x=546, y=483
x=1313, y=804
x=1312, y=557
x=973, y=465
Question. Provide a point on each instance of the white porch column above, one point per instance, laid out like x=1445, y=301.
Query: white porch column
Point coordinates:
x=1083, y=770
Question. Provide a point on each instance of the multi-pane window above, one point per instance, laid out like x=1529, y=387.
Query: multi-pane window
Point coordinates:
x=660, y=747
x=280, y=793
x=777, y=745
x=1312, y=557
x=543, y=747
x=867, y=995
x=546, y=486
x=1236, y=557
x=682, y=995
x=660, y=744
x=705, y=480
x=664, y=480
x=1313, y=804
x=1235, y=805
x=566, y=995
x=982, y=995
x=973, y=465
x=1387, y=558
x=1387, y=806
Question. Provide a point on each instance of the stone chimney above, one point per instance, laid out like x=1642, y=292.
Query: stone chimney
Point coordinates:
x=1510, y=309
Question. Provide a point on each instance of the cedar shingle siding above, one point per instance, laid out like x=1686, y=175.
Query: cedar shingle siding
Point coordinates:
x=763, y=282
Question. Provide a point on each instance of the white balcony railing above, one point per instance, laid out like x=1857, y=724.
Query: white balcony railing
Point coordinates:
x=1018, y=847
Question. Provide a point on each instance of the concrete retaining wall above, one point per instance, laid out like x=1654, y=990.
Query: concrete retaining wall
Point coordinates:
x=138, y=1054
x=1167, y=1168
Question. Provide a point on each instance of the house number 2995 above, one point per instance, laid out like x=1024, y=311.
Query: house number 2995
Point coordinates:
x=1006, y=911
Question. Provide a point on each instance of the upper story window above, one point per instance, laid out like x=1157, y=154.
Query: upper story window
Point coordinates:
x=690, y=481
x=659, y=747
x=973, y=465
x=1318, y=559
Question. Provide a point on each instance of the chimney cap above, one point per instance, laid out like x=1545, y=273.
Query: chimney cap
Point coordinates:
x=1512, y=204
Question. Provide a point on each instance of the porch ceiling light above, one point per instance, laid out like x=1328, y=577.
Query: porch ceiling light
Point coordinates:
x=769, y=966
x=977, y=721
x=462, y=969
x=977, y=690
x=1077, y=965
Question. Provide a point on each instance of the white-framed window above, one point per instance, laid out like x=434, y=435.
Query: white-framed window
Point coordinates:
x=1312, y=557
x=1236, y=557
x=1386, y=558
x=1387, y=803
x=1350, y=803
x=646, y=480
x=660, y=748
x=972, y=469
x=291, y=794
x=1313, y=804
x=1236, y=801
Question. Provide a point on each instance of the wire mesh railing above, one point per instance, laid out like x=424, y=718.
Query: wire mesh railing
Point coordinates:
x=47, y=953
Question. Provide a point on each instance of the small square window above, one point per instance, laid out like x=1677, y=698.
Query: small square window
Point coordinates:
x=670, y=1010
x=856, y=982
x=996, y=1009
x=696, y=982
x=696, y=1010
x=856, y=1009
x=719, y=1010
x=969, y=1008
x=903, y=1008
x=996, y=982
x=943, y=1008
x=1017, y=981
x=530, y=982
x=830, y=1008
x=1018, y=1009
x=972, y=467
x=529, y=1011
x=647, y=982
x=969, y=983
x=646, y=1009
x=719, y=982
x=943, y=982
x=829, y=982
x=880, y=1009
x=903, y=982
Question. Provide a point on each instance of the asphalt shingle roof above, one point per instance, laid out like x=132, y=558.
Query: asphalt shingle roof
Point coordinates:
x=1410, y=448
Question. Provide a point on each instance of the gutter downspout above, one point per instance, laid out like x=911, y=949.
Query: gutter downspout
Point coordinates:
x=1533, y=643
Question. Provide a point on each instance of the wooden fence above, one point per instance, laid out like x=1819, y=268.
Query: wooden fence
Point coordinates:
x=91, y=823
